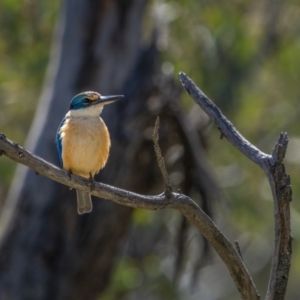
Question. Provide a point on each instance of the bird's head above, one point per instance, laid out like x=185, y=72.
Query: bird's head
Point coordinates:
x=91, y=103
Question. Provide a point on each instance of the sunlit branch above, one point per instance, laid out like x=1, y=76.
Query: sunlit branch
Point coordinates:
x=176, y=201
x=279, y=182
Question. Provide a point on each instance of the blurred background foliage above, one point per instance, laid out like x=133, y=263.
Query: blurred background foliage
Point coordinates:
x=245, y=57
x=26, y=30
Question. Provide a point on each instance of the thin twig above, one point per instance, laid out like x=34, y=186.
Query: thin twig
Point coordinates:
x=160, y=160
x=177, y=201
x=238, y=249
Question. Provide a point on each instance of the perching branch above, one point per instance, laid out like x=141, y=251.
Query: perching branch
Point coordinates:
x=278, y=179
x=176, y=201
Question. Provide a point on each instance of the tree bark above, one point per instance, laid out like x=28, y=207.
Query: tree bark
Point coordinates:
x=47, y=250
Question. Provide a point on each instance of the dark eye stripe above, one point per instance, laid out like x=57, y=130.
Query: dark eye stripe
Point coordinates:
x=86, y=100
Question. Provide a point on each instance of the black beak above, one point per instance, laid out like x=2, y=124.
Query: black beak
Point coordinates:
x=107, y=99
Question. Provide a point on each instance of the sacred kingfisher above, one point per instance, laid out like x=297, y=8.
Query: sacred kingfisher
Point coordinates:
x=83, y=140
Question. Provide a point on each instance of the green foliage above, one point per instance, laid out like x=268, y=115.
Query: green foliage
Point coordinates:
x=243, y=54
x=25, y=36
x=133, y=277
x=142, y=216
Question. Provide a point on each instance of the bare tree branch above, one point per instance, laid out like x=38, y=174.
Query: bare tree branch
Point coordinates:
x=224, y=125
x=176, y=201
x=160, y=160
x=278, y=179
x=282, y=194
x=238, y=249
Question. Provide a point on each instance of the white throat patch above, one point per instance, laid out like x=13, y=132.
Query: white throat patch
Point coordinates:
x=89, y=112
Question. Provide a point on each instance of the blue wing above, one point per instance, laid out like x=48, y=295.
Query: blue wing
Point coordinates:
x=58, y=141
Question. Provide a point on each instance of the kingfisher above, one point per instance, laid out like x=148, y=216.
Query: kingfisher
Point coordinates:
x=83, y=141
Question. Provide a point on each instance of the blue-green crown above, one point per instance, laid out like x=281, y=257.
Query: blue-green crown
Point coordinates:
x=86, y=99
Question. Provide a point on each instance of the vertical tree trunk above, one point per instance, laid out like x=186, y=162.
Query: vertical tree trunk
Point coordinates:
x=47, y=250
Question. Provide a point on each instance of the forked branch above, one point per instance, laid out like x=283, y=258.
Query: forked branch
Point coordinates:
x=279, y=182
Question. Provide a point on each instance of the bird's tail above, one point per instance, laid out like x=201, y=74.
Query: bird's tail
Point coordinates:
x=84, y=202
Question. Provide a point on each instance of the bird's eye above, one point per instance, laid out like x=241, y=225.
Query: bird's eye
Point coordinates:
x=86, y=100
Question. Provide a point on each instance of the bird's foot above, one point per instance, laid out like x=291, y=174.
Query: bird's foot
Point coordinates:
x=92, y=181
x=70, y=173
